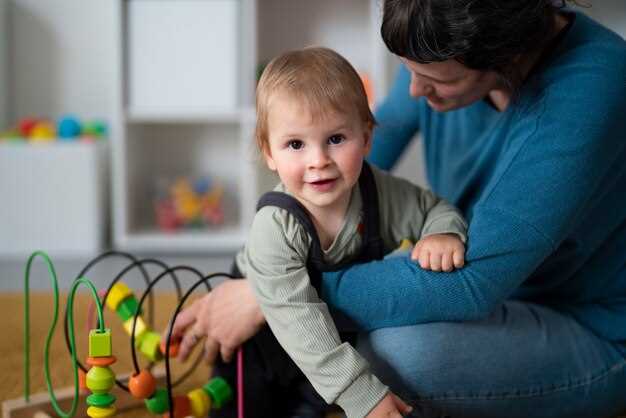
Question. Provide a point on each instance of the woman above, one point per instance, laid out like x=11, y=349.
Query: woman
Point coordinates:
x=522, y=108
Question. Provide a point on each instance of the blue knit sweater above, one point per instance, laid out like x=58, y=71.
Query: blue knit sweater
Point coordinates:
x=542, y=184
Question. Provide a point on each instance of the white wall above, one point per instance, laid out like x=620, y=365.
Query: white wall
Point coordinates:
x=61, y=54
x=3, y=66
x=611, y=13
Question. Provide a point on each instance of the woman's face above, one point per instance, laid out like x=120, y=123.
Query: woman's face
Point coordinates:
x=449, y=85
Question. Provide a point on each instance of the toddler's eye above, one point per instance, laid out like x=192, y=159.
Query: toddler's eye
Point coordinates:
x=336, y=139
x=295, y=144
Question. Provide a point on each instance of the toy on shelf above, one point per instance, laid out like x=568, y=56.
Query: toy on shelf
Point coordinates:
x=67, y=128
x=189, y=202
x=142, y=384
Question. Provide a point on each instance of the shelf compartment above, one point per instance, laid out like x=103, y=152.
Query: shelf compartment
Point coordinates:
x=164, y=152
x=176, y=60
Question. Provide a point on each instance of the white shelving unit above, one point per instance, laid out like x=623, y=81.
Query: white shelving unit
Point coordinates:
x=186, y=75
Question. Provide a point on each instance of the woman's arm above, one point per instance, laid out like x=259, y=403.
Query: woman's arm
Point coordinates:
x=559, y=161
x=397, y=292
x=398, y=122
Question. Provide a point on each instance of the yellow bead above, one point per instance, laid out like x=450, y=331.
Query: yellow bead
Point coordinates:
x=118, y=293
x=99, y=412
x=405, y=245
x=139, y=329
x=200, y=402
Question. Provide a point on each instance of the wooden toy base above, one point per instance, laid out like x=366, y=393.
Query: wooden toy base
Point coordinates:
x=39, y=405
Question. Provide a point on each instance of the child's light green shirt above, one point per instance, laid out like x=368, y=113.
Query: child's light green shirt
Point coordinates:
x=275, y=258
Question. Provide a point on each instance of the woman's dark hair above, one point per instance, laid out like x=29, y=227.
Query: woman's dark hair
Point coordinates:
x=481, y=34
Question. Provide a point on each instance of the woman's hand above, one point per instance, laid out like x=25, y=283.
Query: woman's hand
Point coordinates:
x=440, y=252
x=227, y=316
x=390, y=406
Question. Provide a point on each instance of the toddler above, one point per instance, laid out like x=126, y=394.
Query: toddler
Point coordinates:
x=314, y=129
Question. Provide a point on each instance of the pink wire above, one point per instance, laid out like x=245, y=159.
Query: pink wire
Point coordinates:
x=240, y=382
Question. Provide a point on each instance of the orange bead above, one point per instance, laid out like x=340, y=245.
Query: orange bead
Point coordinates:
x=101, y=361
x=182, y=407
x=82, y=381
x=174, y=346
x=142, y=385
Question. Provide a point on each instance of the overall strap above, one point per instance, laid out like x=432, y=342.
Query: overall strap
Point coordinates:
x=372, y=242
x=372, y=248
x=295, y=208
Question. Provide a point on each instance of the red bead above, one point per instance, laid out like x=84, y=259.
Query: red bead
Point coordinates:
x=142, y=385
x=182, y=407
x=174, y=346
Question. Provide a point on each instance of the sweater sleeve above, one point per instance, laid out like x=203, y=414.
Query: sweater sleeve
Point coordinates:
x=397, y=120
x=276, y=257
x=543, y=187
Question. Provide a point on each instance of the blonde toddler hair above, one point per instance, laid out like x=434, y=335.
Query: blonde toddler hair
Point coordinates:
x=322, y=78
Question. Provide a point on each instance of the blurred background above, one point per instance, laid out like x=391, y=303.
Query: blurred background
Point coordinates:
x=128, y=124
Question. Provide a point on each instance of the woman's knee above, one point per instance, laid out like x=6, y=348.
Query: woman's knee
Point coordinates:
x=413, y=357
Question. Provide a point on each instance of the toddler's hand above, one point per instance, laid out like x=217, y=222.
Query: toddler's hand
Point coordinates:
x=440, y=252
x=390, y=406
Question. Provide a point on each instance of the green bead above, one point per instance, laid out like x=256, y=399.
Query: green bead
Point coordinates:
x=150, y=345
x=100, y=399
x=219, y=391
x=100, y=343
x=127, y=308
x=158, y=403
x=100, y=379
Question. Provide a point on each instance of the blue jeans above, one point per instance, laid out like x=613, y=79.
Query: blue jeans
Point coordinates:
x=524, y=361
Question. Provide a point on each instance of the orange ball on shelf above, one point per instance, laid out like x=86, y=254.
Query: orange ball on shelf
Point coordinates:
x=142, y=385
x=174, y=346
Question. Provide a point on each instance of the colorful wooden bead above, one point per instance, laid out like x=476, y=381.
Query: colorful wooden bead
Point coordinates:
x=149, y=346
x=158, y=402
x=101, y=361
x=127, y=308
x=118, y=293
x=100, y=379
x=200, y=403
x=219, y=391
x=82, y=381
x=142, y=385
x=100, y=343
x=43, y=131
x=174, y=346
x=140, y=328
x=100, y=399
x=98, y=412
x=182, y=407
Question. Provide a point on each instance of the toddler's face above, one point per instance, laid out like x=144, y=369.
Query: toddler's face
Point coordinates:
x=318, y=160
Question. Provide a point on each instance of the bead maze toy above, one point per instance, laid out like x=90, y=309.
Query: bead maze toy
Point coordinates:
x=99, y=379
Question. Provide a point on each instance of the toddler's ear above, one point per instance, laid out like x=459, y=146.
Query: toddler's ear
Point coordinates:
x=367, y=135
x=269, y=160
